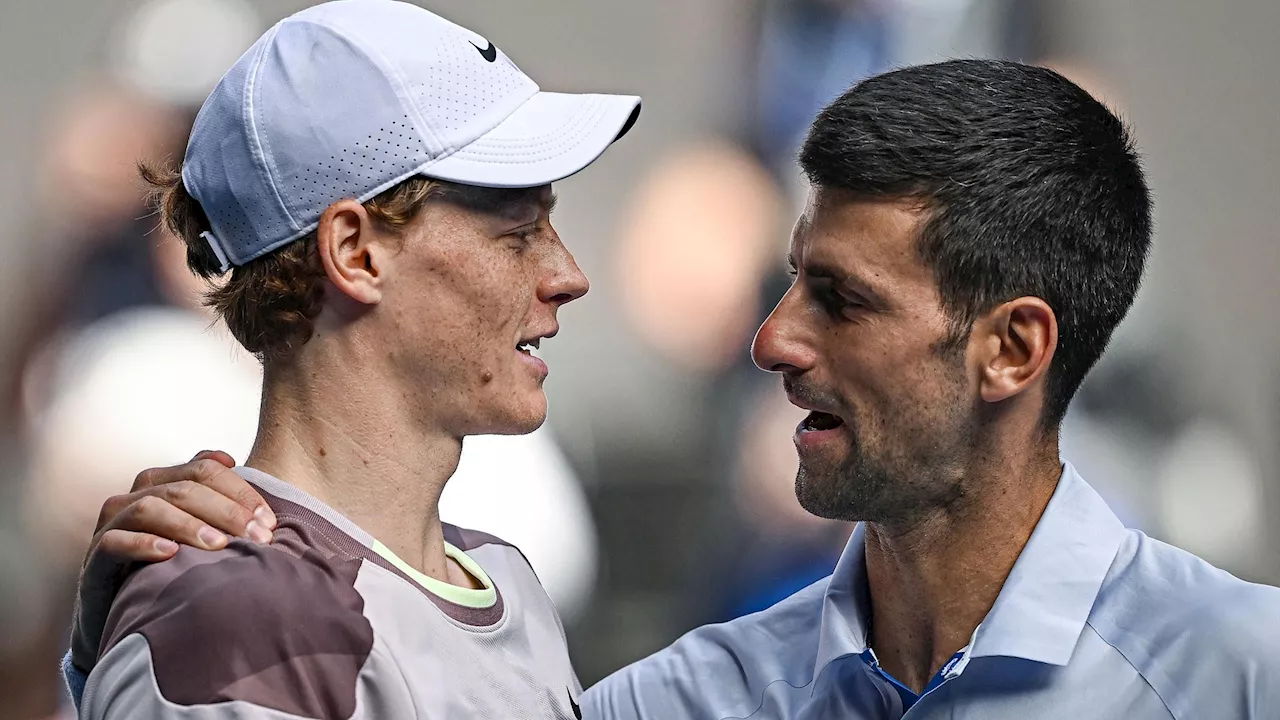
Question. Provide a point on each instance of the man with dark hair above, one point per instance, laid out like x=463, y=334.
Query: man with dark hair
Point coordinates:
x=1028, y=185
x=974, y=233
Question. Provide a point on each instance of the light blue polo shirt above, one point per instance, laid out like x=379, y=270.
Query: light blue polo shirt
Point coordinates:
x=1095, y=621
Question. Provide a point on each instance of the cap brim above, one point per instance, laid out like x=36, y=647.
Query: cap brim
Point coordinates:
x=548, y=138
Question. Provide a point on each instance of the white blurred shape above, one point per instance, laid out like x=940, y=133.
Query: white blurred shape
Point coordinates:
x=1211, y=495
x=154, y=386
x=141, y=388
x=176, y=50
x=522, y=489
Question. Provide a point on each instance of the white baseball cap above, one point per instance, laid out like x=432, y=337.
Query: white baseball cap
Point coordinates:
x=350, y=98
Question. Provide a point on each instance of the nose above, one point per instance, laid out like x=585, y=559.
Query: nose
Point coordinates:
x=565, y=282
x=783, y=344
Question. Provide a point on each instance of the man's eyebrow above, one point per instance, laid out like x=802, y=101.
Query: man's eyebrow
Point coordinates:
x=842, y=277
x=550, y=202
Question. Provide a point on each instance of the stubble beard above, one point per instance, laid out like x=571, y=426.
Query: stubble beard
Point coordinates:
x=902, y=480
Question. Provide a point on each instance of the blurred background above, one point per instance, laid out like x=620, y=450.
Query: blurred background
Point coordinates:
x=663, y=481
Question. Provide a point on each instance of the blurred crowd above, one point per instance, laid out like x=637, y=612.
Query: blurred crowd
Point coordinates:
x=659, y=496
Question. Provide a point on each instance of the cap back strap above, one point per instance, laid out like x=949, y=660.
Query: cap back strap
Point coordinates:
x=217, y=250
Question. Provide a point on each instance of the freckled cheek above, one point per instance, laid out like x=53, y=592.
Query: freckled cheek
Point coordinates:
x=475, y=304
x=497, y=313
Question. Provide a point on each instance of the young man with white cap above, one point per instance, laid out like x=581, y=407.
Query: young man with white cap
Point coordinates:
x=377, y=182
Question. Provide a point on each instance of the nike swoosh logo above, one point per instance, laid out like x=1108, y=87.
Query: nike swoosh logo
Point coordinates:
x=490, y=53
x=577, y=711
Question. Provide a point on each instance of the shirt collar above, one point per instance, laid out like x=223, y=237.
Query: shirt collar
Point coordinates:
x=1042, y=608
x=846, y=606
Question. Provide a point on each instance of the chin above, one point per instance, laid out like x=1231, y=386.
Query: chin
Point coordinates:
x=840, y=491
x=818, y=495
x=526, y=426
x=523, y=418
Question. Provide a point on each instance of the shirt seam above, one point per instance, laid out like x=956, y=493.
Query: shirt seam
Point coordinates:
x=764, y=692
x=263, y=143
x=1121, y=653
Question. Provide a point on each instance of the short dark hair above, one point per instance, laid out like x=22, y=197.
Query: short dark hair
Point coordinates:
x=1032, y=187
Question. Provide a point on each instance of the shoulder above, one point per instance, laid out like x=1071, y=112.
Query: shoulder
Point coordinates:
x=263, y=624
x=726, y=666
x=507, y=566
x=1195, y=632
x=1165, y=593
x=761, y=642
x=498, y=557
x=465, y=539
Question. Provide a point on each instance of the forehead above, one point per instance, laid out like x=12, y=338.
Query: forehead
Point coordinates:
x=871, y=240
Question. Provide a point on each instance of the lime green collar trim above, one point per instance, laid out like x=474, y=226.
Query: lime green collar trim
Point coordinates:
x=467, y=597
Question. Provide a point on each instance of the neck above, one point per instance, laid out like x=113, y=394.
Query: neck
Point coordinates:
x=933, y=582
x=359, y=447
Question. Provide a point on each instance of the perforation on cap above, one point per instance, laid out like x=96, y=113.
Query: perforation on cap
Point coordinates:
x=466, y=90
x=386, y=152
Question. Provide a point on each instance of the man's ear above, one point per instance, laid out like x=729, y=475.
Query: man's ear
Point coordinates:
x=1016, y=343
x=352, y=253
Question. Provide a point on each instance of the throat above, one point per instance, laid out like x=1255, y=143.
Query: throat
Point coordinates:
x=366, y=466
x=459, y=577
x=934, y=577
x=928, y=598
x=910, y=659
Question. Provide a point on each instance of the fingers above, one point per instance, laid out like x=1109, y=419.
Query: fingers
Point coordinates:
x=211, y=469
x=127, y=545
x=218, y=455
x=113, y=506
x=198, y=503
x=191, y=514
x=185, y=504
x=230, y=485
x=206, y=462
x=167, y=515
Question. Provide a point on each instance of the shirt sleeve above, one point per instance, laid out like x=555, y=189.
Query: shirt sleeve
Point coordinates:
x=698, y=677
x=749, y=667
x=246, y=632
x=633, y=693
x=123, y=686
x=74, y=678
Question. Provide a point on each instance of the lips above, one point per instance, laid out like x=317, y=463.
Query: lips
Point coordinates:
x=533, y=341
x=817, y=421
x=819, y=418
x=821, y=430
x=525, y=347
